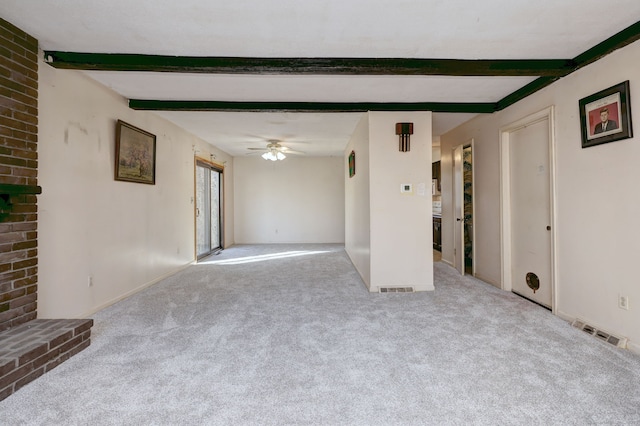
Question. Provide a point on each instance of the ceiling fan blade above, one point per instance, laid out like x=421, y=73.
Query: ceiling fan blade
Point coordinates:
x=258, y=149
x=292, y=151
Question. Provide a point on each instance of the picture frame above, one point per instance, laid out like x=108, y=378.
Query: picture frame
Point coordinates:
x=135, y=154
x=352, y=164
x=611, y=106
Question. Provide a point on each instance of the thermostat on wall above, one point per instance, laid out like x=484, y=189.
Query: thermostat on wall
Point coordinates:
x=406, y=188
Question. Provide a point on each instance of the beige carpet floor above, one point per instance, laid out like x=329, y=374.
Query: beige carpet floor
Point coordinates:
x=289, y=335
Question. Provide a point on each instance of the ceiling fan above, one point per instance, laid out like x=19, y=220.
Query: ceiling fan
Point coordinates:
x=275, y=150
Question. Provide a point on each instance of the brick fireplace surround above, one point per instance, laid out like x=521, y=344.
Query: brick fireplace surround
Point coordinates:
x=29, y=347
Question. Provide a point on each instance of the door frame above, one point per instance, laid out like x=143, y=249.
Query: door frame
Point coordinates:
x=220, y=169
x=458, y=258
x=505, y=197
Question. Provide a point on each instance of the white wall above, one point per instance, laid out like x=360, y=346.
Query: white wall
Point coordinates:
x=124, y=235
x=297, y=200
x=357, y=202
x=435, y=149
x=389, y=234
x=597, y=200
x=401, y=224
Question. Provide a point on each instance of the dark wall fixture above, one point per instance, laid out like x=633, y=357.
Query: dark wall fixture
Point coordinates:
x=404, y=130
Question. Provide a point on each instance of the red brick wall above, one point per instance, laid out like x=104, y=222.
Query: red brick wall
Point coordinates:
x=18, y=165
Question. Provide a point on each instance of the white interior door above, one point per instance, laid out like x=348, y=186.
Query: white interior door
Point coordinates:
x=530, y=212
x=458, y=210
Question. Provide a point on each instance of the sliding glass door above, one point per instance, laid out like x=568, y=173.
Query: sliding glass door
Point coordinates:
x=208, y=209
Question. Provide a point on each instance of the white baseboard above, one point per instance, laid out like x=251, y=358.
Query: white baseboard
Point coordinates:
x=424, y=288
x=366, y=283
x=134, y=291
x=487, y=280
x=633, y=347
x=565, y=316
x=446, y=262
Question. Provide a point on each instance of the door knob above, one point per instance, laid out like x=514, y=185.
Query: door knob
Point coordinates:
x=548, y=228
x=458, y=219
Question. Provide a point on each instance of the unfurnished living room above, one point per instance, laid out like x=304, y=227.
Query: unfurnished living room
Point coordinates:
x=319, y=213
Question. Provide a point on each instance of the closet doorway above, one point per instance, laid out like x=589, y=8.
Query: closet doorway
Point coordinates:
x=463, y=243
x=208, y=208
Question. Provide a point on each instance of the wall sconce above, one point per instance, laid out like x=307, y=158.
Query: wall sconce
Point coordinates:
x=404, y=130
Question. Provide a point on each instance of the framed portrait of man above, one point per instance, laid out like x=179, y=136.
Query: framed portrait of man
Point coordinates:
x=606, y=116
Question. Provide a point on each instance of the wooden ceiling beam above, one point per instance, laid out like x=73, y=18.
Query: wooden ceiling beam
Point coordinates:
x=309, y=66
x=328, y=107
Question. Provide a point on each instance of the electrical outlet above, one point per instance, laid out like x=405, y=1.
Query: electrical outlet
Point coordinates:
x=90, y=281
x=623, y=302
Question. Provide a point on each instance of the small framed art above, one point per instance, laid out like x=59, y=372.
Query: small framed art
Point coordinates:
x=352, y=164
x=135, y=154
x=606, y=116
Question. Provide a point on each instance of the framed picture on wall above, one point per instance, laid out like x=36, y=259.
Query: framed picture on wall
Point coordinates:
x=606, y=116
x=135, y=154
x=352, y=164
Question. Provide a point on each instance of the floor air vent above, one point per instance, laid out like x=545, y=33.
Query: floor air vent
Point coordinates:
x=620, y=342
x=396, y=289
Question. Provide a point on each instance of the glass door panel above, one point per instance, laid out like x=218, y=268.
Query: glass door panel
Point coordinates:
x=215, y=210
x=208, y=210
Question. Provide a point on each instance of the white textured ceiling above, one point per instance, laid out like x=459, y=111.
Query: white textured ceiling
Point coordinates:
x=310, y=88
x=460, y=29
x=453, y=29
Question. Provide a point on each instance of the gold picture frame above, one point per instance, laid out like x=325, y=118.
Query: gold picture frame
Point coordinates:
x=135, y=154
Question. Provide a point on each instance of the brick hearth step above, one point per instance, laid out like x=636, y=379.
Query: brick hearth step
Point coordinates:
x=29, y=350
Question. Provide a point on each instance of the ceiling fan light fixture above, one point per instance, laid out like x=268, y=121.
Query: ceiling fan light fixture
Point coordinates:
x=274, y=155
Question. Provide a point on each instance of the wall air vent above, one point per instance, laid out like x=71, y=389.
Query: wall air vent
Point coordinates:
x=620, y=342
x=396, y=290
